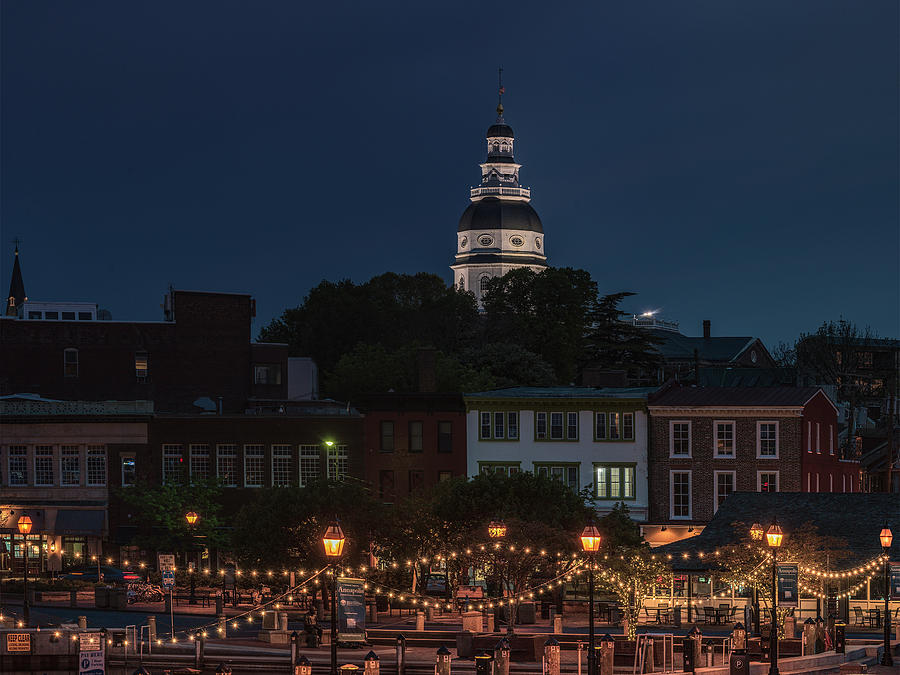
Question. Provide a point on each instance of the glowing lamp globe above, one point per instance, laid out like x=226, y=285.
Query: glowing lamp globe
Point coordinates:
x=334, y=541
x=756, y=531
x=590, y=539
x=774, y=536
x=886, y=537
x=191, y=517
x=496, y=529
x=25, y=524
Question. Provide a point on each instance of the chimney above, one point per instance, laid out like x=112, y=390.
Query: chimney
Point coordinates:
x=706, y=328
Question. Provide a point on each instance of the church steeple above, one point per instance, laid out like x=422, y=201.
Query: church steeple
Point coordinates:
x=16, y=287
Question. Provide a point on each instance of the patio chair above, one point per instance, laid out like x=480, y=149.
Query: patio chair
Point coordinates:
x=858, y=618
x=709, y=615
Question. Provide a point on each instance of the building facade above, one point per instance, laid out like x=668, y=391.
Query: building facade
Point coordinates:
x=707, y=442
x=500, y=230
x=413, y=441
x=582, y=436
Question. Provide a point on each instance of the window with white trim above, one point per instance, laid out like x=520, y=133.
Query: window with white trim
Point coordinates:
x=565, y=473
x=614, y=481
x=309, y=464
x=680, y=494
x=499, y=426
x=502, y=468
x=614, y=428
x=818, y=438
x=628, y=426
x=679, y=439
x=18, y=465
x=226, y=464
x=43, y=465
x=281, y=465
x=173, y=462
x=724, y=486
x=767, y=481
x=600, y=426
x=563, y=426
x=485, y=432
x=96, y=465
x=70, y=466
x=254, y=465
x=724, y=439
x=512, y=425
x=540, y=425
x=572, y=426
x=338, y=462
x=199, y=461
x=767, y=440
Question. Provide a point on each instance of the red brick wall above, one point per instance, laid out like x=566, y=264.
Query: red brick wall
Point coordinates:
x=703, y=464
x=822, y=469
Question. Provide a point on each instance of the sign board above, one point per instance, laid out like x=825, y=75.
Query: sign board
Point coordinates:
x=895, y=580
x=436, y=583
x=18, y=642
x=91, y=663
x=168, y=578
x=166, y=561
x=788, y=584
x=89, y=642
x=351, y=608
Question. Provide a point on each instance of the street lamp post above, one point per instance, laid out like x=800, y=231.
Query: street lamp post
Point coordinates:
x=497, y=530
x=756, y=533
x=191, y=517
x=590, y=542
x=25, y=525
x=887, y=539
x=333, y=541
x=774, y=535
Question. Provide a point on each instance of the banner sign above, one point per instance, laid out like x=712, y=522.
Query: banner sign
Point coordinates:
x=351, y=609
x=18, y=642
x=788, y=584
x=895, y=580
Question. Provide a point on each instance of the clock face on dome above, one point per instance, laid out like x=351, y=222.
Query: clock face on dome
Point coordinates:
x=516, y=240
x=485, y=240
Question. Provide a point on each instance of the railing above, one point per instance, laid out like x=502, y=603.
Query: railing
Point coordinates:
x=503, y=191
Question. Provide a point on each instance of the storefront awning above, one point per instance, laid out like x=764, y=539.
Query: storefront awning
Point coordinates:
x=80, y=521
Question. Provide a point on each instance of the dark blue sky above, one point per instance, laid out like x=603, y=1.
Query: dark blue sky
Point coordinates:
x=736, y=161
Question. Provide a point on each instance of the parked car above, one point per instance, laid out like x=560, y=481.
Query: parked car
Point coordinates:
x=111, y=574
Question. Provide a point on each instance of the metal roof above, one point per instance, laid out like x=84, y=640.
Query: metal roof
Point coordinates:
x=734, y=396
x=565, y=392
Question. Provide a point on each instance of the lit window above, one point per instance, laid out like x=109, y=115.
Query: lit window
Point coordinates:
x=767, y=481
x=614, y=429
x=128, y=471
x=141, y=366
x=724, y=439
x=614, y=481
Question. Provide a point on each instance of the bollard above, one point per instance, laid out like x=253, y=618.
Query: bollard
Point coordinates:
x=420, y=620
x=840, y=637
x=303, y=667
x=739, y=663
x=489, y=622
x=401, y=655
x=739, y=636
x=295, y=637
x=484, y=663
x=442, y=661
x=82, y=622
x=372, y=664
x=607, y=655
x=199, y=648
x=220, y=603
x=808, y=638
x=501, y=658
x=557, y=625
x=693, y=645
x=551, y=657
x=151, y=628
x=820, y=635
x=372, y=608
x=429, y=613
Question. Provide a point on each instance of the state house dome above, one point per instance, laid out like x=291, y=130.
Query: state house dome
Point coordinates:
x=492, y=213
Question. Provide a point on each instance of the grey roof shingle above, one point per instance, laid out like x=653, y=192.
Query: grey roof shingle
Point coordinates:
x=676, y=346
x=565, y=392
x=854, y=517
x=734, y=396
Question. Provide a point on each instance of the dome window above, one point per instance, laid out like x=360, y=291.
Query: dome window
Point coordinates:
x=485, y=240
x=516, y=240
x=484, y=284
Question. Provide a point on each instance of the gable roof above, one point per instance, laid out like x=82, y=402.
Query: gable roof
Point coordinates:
x=564, y=392
x=734, y=396
x=855, y=517
x=675, y=346
x=737, y=376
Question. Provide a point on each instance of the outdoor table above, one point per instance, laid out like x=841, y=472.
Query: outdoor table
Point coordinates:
x=722, y=614
x=659, y=611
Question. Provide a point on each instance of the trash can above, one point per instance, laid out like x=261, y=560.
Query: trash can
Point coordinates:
x=101, y=596
x=348, y=669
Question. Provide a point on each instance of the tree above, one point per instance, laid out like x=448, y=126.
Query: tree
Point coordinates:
x=547, y=313
x=614, y=344
x=631, y=573
x=159, y=514
x=507, y=364
x=391, y=310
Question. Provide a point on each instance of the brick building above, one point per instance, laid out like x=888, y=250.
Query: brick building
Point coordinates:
x=413, y=441
x=707, y=442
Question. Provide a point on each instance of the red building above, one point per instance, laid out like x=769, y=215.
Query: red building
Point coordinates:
x=413, y=441
x=707, y=442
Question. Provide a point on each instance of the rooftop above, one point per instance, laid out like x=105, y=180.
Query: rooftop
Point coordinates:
x=565, y=392
x=734, y=396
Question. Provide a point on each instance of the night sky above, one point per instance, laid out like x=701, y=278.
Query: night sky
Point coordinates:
x=736, y=161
